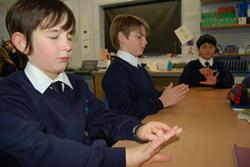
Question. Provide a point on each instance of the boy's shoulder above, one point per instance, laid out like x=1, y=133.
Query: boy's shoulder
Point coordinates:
x=15, y=83
x=76, y=79
x=218, y=62
x=15, y=78
x=195, y=62
x=120, y=63
x=120, y=67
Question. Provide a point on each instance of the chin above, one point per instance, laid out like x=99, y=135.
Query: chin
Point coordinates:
x=139, y=54
x=61, y=69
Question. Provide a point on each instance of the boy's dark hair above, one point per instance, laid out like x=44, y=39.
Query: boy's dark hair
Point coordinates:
x=125, y=23
x=27, y=15
x=206, y=38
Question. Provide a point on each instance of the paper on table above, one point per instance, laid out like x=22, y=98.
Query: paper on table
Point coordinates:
x=183, y=34
x=244, y=116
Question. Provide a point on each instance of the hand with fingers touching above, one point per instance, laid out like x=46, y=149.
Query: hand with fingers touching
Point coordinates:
x=151, y=130
x=211, y=79
x=173, y=94
x=149, y=152
x=202, y=71
x=205, y=71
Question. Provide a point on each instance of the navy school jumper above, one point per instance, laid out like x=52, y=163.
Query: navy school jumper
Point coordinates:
x=192, y=76
x=130, y=90
x=50, y=130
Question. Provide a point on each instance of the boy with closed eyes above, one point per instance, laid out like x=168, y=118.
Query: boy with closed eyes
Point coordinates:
x=49, y=118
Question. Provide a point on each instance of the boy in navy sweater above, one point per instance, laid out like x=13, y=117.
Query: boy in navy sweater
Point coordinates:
x=206, y=71
x=49, y=118
x=136, y=93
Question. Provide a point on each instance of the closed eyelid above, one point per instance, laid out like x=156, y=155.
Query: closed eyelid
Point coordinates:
x=53, y=32
x=144, y=35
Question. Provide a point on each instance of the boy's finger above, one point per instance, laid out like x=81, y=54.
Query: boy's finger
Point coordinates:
x=173, y=132
x=161, y=158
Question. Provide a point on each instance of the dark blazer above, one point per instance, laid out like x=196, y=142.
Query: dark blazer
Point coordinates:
x=7, y=69
x=53, y=129
x=130, y=90
x=192, y=76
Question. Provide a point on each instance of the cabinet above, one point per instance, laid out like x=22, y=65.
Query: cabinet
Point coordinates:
x=233, y=34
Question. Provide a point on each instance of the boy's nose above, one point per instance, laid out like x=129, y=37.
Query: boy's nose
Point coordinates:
x=67, y=45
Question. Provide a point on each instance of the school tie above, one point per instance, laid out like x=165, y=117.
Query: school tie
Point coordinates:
x=206, y=64
x=57, y=86
x=139, y=66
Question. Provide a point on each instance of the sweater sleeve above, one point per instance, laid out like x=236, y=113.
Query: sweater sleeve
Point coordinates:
x=225, y=79
x=23, y=137
x=107, y=124
x=191, y=76
x=119, y=91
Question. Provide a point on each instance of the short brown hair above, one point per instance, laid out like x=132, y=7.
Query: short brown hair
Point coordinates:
x=27, y=15
x=125, y=23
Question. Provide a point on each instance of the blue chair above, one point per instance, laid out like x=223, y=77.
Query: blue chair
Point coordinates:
x=246, y=81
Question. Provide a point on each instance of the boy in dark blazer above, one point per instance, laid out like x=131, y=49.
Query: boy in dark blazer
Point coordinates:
x=206, y=71
x=49, y=118
x=128, y=87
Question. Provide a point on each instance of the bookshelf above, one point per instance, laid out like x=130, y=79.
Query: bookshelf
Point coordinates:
x=215, y=1
x=226, y=27
x=228, y=31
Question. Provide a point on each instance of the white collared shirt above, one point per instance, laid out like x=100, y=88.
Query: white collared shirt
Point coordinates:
x=203, y=61
x=129, y=58
x=40, y=81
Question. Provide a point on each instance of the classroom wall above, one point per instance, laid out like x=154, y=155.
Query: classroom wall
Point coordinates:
x=89, y=18
x=3, y=31
x=89, y=36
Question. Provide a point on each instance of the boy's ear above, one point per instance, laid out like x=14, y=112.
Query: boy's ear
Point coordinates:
x=19, y=41
x=121, y=36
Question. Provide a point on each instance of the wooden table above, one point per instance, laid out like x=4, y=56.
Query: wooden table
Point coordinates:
x=210, y=128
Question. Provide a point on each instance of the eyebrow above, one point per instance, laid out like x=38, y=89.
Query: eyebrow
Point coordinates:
x=140, y=33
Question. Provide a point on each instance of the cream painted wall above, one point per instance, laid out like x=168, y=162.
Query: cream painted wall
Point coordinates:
x=89, y=15
x=91, y=20
x=90, y=37
x=3, y=31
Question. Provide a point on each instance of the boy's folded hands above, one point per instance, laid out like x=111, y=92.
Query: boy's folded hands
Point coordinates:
x=173, y=94
x=157, y=134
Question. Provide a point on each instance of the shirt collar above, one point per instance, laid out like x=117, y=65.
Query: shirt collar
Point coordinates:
x=129, y=58
x=40, y=81
x=203, y=61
